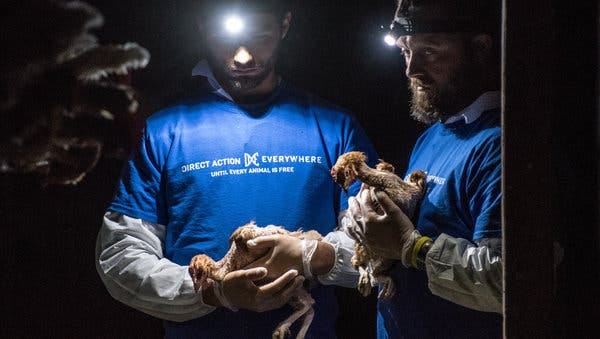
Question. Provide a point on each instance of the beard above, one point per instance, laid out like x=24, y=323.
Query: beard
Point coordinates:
x=225, y=72
x=425, y=104
x=246, y=83
x=441, y=100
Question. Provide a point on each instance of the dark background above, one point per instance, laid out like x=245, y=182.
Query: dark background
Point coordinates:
x=49, y=286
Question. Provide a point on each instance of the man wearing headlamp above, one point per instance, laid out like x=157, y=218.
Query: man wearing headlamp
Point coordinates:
x=453, y=248
x=207, y=166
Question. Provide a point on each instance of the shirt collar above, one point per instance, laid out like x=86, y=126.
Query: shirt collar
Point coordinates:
x=202, y=68
x=485, y=102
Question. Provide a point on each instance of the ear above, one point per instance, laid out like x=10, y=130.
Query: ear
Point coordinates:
x=285, y=24
x=482, y=45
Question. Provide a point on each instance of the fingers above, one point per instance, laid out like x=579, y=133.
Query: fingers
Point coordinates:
x=280, y=283
x=354, y=208
x=279, y=292
x=260, y=262
x=263, y=242
x=387, y=205
x=290, y=289
x=253, y=274
x=362, y=207
x=358, y=214
x=356, y=233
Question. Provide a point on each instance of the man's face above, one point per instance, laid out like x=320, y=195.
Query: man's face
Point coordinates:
x=442, y=74
x=242, y=62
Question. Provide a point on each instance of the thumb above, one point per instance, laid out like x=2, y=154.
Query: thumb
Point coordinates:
x=387, y=205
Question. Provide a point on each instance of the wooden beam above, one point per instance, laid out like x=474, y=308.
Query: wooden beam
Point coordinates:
x=529, y=174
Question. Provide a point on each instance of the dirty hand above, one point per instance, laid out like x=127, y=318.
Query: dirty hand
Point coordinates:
x=388, y=233
x=239, y=290
x=284, y=253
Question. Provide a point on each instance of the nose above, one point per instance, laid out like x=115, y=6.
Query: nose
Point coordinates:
x=242, y=58
x=414, y=67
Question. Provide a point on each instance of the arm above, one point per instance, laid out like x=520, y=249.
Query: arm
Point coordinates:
x=329, y=263
x=458, y=270
x=466, y=273
x=340, y=271
x=130, y=262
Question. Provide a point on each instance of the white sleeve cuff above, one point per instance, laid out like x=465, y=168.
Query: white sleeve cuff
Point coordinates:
x=342, y=273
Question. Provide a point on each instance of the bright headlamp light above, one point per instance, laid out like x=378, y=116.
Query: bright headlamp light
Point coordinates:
x=233, y=24
x=399, y=26
x=390, y=37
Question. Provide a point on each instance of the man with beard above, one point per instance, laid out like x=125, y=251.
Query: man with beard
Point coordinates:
x=450, y=282
x=253, y=148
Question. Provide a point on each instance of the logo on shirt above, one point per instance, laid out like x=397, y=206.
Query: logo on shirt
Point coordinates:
x=432, y=178
x=436, y=180
x=252, y=163
x=251, y=160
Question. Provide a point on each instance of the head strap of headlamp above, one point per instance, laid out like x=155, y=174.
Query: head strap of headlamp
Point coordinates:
x=440, y=16
x=210, y=8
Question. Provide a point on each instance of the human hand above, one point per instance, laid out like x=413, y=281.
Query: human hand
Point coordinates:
x=239, y=290
x=382, y=226
x=284, y=253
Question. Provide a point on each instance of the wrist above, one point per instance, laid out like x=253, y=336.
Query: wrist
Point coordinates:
x=213, y=295
x=408, y=246
x=323, y=259
x=309, y=248
x=209, y=298
x=419, y=252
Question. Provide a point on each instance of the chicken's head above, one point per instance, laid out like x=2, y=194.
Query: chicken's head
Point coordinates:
x=201, y=269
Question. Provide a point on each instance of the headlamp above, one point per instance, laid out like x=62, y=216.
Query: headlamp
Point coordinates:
x=233, y=24
x=398, y=27
x=401, y=25
x=457, y=16
x=389, y=39
x=394, y=32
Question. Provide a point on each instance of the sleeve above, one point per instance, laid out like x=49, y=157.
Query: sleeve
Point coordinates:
x=342, y=273
x=130, y=262
x=469, y=271
x=484, y=189
x=139, y=191
x=465, y=273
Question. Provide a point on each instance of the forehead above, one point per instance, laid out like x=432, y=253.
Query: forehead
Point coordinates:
x=430, y=39
x=252, y=20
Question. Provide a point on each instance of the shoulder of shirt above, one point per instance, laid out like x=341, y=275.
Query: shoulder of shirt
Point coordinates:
x=487, y=128
x=490, y=123
x=172, y=111
x=316, y=103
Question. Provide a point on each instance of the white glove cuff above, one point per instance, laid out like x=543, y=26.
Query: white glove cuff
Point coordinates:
x=218, y=290
x=308, y=249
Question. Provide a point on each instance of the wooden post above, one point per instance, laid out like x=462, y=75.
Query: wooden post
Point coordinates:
x=529, y=176
x=550, y=168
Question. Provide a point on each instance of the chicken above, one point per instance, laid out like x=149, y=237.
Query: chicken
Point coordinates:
x=407, y=195
x=203, y=269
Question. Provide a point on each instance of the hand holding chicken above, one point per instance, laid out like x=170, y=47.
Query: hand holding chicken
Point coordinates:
x=233, y=282
x=371, y=223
